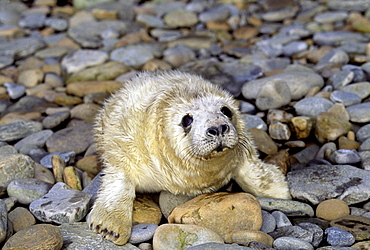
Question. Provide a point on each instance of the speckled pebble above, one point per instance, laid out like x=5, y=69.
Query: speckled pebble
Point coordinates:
x=142, y=232
x=291, y=243
x=27, y=190
x=338, y=237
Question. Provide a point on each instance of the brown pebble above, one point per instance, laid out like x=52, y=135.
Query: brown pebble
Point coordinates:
x=332, y=209
x=263, y=141
x=58, y=167
x=89, y=164
x=244, y=237
x=351, y=135
x=301, y=126
x=71, y=178
x=280, y=159
x=44, y=174
x=36, y=237
x=146, y=211
x=345, y=143
x=66, y=100
x=21, y=218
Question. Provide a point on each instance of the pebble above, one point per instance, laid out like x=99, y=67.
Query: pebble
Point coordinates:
x=291, y=243
x=359, y=112
x=40, y=236
x=332, y=209
x=177, y=236
x=316, y=231
x=28, y=189
x=281, y=219
x=3, y=220
x=81, y=59
x=358, y=226
x=146, y=210
x=15, y=166
x=347, y=98
x=142, y=232
x=68, y=158
x=330, y=127
x=312, y=106
x=345, y=156
x=338, y=237
x=18, y=130
x=363, y=133
x=21, y=218
x=51, y=121
x=35, y=140
x=268, y=222
x=61, y=205
x=253, y=121
x=245, y=215
x=15, y=90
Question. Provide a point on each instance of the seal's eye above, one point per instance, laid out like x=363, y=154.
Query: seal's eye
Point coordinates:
x=227, y=112
x=186, y=121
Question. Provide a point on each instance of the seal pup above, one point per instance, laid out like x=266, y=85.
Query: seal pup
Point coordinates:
x=176, y=132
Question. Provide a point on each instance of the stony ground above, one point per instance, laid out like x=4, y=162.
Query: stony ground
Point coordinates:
x=300, y=69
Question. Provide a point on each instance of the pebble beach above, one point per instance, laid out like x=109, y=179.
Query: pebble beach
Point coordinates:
x=300, y=70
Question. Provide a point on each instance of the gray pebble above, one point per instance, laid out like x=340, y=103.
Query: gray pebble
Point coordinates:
x=359, y=112
x=18, y=130
x=27, y=190
x=218, y=246
x=168, y=201
x=312, y=106
x=26, y=104
x=336, y=37
x=268, y=222
x=247, y=108
x=288, y=207
x=307, y=154
x=337, y=57
x=3, y=220
x=281, y=219
x=341, y=78
x=292, y=231
x=253, y=121
x=8, y=149
x=291, y=243
x=274, y=94
x=35, y=140
x=220, y=13
x=295, y=47
x=150, y=20
x=317, y=232
x=56, y=119
x=22, y=47
x=15, y=90
x=61, y=205
x=360, y=75
x=83, y=58
x=32, y=21
x=346, y=98
x=349, y=5
x=338, y=237
x=93, y=187
x=68, y=157
x=362, y=89
x=178, y=55
x=58, y=24
x=142, y=232
x=345, y=156
x=133, y=55
x=331, y=16
x=344, y=182
x=365, y=146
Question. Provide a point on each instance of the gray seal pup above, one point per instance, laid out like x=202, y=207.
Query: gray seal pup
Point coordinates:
x=176, y=132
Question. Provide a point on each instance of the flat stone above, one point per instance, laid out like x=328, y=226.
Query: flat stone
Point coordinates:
x=142, y=232
x=176, y=236
x=61, y=205
x=316, y=231
x=253, y=121
x=358, y=226
x=36, y=140
x=181, y=18
x=291, y=243
x=363, y=133
x=274, y=94
x=77, y=235
x=362, y=89
x=3, y=220
x=338, y=237
x=21, y=47
x=15, y=166
x=332, y=209
x=288, y=207
x=349, y=5
x=76, y=138
x=345, y=156
x=347, y=98
x=330, y=127
x=263, y=141
x=298, y=89
x=15, y=90
x=359, y=112
x=26, y=104
x=68, y=157
x=19, y=130
x=322, y=182
x=40, y=236
x=53, y=120
x=336, y=37
x=21, y=218
x=81, y=59
x=312, y=106
x=268, y=222
x=281, y=219
x=28, y=189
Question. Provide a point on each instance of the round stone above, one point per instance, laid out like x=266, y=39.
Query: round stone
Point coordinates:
x=332, y=209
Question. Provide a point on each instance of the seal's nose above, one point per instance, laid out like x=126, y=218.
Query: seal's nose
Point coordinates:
x=216, y=131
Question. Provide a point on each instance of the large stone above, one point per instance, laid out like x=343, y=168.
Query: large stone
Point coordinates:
x=208, y=210
x=330, y=127
x=323, y=182
x=299, y=83
x=15, y=166
x=179, y=236
x=61, y=205
x=19, y=130
x=40, y=236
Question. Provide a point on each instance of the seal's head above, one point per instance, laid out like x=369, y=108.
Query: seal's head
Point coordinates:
x=202, y=123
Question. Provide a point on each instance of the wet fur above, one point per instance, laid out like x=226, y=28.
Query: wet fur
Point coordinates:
x=145, y=148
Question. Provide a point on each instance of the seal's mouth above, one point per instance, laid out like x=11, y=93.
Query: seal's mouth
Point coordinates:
x=220, y=148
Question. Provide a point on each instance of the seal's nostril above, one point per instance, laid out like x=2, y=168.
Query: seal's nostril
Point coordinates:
x=223, y=128
x=212, y=131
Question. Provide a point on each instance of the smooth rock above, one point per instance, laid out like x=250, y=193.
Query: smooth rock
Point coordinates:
x=298, y=89
x=274, y=94
x=35, y=140
x=15, y=90
x=306, y=155
x=245, y=237
x=338, y=237
x=219, y=246
x=18, y=130
x=26, y=104
x=316, y=231
x=61, y=205
x=178, y=236
x=347, y=98
x=168, y=201
x=312, y=106
x=332, y=209
x=142, y=232
x=40, y=236
x=359, y=112
x=21, y=218
x=321, y=182
x=362, y=89
x=76, y=138
x=15, y=166
x=178, y=55
x=281, y=219
x=208, y=210
x=293, y=231
x=3, y=220
x=253, y=121
x=181, y=18
x=81, y=59
x=22, y=47
x=291, y=243
x=28, y=189
x=263, y=141
x=68, y=158
x=363, y=133
x=51, y=121
x=77, y=235
x=44, y=174
x=146, y=210
x=330, y=127
x=268, y=222
x=345, y=156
